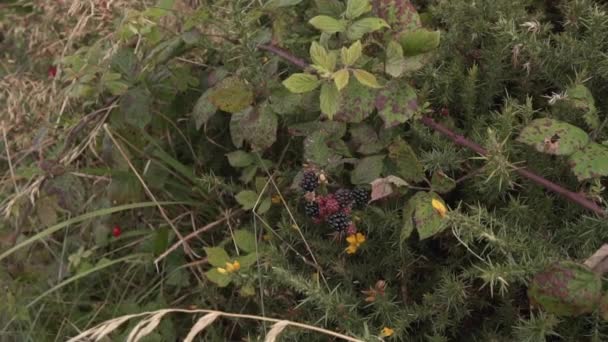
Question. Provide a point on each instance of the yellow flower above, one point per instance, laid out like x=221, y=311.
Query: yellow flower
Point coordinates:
x=276, y=199
x=387, y=332
x=230, y=267
x=439, y=207
x=354, y=242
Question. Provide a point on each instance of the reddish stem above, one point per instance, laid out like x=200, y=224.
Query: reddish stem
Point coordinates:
x=458, y=139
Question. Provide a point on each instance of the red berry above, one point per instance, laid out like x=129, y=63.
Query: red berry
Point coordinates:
x=445, y=111
x=52, y=71
x=116, y=231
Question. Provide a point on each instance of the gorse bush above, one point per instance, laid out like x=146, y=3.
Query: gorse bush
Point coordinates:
x=386, y=169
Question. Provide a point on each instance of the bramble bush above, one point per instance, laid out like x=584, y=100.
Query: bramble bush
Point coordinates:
x=429, y=170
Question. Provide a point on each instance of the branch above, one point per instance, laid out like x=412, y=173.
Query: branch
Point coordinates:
x=574, y=197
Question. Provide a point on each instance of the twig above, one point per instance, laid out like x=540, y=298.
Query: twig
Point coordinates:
x=462, y=141
x=195, y=234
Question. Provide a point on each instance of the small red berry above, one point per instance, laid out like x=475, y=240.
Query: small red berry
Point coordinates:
x=116, y=231
x=52, y=71
x=445, y=111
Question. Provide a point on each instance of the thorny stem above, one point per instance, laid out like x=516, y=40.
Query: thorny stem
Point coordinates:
x=574, y=197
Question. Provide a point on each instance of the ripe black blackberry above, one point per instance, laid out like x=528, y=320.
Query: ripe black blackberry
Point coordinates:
x=344, y=197
x=311, y=209
x=339, y=221
x=310, y=181
x=361, y=197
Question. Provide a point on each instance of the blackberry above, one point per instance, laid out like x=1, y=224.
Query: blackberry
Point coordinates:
x=339, y=221
x=309, y=182
x=344, y=197
x=361, y=197
x=311, y=209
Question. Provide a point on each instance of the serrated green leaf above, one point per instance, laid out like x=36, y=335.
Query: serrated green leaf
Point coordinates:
x=301, y=83
x=341, y=78
x=264, y=205
x=553, y=137
x=135, y=105
x=356, y=8
x=203, y=110
x=427, y=220
x=367, y=169
x=356, y=103
x=395, y=63
x=441, y=183
x=333, y=8
x=221, y=280
x=404, y=161
x=580, y=97
x=316, y=150
x=360, y=27
x=365, y=139
x=245, y=240
x=322, y=57
x=246, y=199
x=240, y=158
x=351, y=54
x=328, y=24
x=217, y=256
x=396, y=103
x=117, y=88
x=329, y=99
x=566, y=288
x=271, y=4
x=259, y=127
x=231, y=95
x=46, y=209
x=237, y=134
x=366, y=78
x=419, y=41
x=590, y=162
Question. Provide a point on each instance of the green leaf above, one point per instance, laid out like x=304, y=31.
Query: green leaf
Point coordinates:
x=316, y=150
x=247, y=199
x=301, y=83
x=366, y=78
x=396, y=103
x=356, y=8
x=321, y=57
x=553, y=137
x=441, y=183
x=247, y=260
x=333, y=8
x=395, y=63
x=329, y=99
x=237, y=134
x=46, y=209
x=135, y=106
x=401, y=15
x=341, y=78
x=427, y=220
x=566, y=288
x=203, y=110
x=217, y=256
x=367, y=169
x=231, y=95
x=281, y=3
x=404, y=161
x=590, y=162
x=117, y=88
x=328, y=24
x=383, y=187
x=245, y=240
x=360, y=27
x=419, y=41
x=352, y=54
x=221, y=280
x=356, y=103
x=580, y=97
x=365, y=139
x=259, y=127
x=124, y=188
x=264, y=205
x=240, y=158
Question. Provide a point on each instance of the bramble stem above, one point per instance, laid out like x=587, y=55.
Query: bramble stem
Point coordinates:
x=458, y=139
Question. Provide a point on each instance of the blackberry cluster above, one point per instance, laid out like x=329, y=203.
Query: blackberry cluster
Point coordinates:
x=361, y=197
x=339, y=221
x=344, y=197
x=309, y=182
x=311, y=209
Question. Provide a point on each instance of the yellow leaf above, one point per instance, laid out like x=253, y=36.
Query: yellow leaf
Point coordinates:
x=341, y=78
x=366, y=78
x=439, y=207
x=387, y=332
x=351, y=55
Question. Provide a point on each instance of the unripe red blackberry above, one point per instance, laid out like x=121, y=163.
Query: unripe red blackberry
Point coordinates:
x=339, y=221
x=361, y=197
x=309, y=182
x=344, y=197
